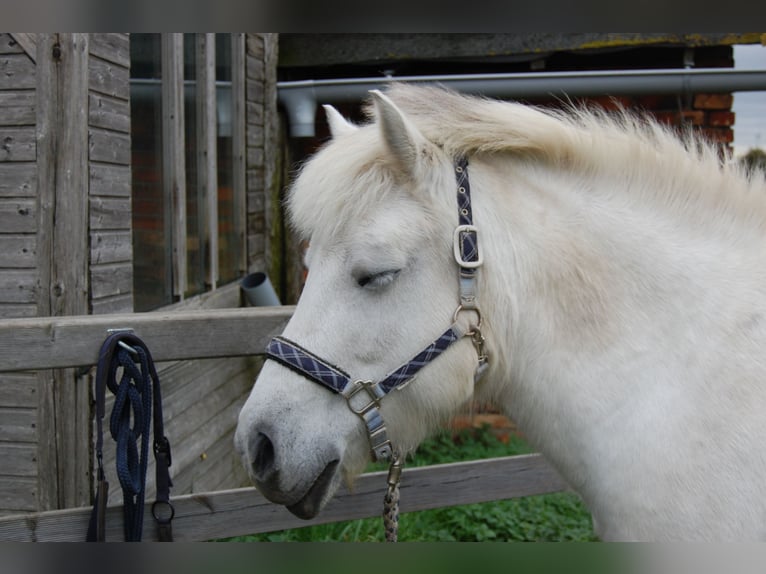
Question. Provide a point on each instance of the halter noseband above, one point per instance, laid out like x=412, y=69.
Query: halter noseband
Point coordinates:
x=363, y=397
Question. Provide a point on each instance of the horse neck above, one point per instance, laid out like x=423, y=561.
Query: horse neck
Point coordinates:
x=574, y=276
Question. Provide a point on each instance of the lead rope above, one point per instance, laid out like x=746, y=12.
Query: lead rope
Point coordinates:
x=391, y=500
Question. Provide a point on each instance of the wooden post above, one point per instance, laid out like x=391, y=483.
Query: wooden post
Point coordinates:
x=238, y=122
x=207, y=159
x=174, y=173
x=62, y=162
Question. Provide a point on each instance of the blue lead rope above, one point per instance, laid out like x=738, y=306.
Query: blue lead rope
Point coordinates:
x=137, y=397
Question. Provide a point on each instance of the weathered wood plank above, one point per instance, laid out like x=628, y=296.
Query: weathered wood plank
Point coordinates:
x=18, y=251
x=109, y=180
x=113, y=305
x=112, y=279
x=18, y=390
x=17, y=72
x=207, y=159
x=18, y=179
x=238, y=120
x=173, y=146
x=62, y=130
x=18, y=215
x=51, y=342
x=109, y=147
x=17, y=310
x=244, y=511
x=110, y=213
x=18, y=286
x=109, y=78
x=18, y=459
x=17, y=425
x=27, y=42
x=17, y=108
x=109, y=246
x=18, y=493
x=108, y=113
x=113, y=48
x=17, y=144
x=8, y=45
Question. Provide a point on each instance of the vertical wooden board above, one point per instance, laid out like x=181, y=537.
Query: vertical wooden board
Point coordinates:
x=207, y=164
x=62, y=245
x=18, y=179
x=239, y=179
x=174, y=172
x=47, y=90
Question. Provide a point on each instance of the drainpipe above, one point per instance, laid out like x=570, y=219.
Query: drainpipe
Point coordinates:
x=300, y=98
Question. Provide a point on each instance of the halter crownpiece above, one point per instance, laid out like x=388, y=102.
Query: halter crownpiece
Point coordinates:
x=363, y=397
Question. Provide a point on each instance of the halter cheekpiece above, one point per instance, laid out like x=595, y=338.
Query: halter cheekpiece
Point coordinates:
x=363, y=397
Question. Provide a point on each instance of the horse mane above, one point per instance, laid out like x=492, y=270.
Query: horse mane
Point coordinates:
x=681, y=168
x=668, y=171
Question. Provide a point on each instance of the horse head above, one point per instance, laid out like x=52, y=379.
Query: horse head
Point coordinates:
x=377, y=206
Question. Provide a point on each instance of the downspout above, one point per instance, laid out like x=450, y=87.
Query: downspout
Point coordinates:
x=300, y=98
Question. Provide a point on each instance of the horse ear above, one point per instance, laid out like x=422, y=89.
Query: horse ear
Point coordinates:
x=403, y=139
x=338, y=124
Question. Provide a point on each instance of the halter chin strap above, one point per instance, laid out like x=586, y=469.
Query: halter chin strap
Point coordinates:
x=363, y=397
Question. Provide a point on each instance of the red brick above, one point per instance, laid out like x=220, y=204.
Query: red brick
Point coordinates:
x=718, y=135
x=718, y=119
x=713, y=101
x=693, y=117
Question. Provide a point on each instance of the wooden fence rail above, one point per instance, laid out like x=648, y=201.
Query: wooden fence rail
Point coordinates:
x=61, y=342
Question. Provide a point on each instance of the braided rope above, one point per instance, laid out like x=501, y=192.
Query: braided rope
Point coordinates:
x=391, y=500
x=391, y=512
x=132, y=403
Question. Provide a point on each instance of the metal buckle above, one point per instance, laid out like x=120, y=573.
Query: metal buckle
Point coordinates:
x=357, y=387
x=456, y=247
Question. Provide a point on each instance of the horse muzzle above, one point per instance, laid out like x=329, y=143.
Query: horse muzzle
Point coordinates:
x=303, y=490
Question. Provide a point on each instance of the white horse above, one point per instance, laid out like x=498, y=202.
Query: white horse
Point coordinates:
x=622, y=295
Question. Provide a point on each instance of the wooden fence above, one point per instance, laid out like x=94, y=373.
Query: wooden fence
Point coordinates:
x=62, y=342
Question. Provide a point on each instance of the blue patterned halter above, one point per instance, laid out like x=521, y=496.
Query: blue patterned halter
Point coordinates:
x=363, y=397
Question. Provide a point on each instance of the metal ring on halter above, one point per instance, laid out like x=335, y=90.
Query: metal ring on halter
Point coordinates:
x=478, y=314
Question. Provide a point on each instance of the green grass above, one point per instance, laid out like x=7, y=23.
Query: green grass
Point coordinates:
x=552, y=517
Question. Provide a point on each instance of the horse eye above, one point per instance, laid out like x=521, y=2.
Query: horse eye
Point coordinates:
x=377, y=280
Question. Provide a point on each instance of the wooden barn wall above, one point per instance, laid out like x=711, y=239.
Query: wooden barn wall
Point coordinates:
x=18, y=269
x=111, y=251
x=45, y=430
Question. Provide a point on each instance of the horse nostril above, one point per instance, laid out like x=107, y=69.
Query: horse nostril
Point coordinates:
x=262, y=451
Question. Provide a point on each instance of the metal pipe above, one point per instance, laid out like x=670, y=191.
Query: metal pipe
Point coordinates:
x=300, y=98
